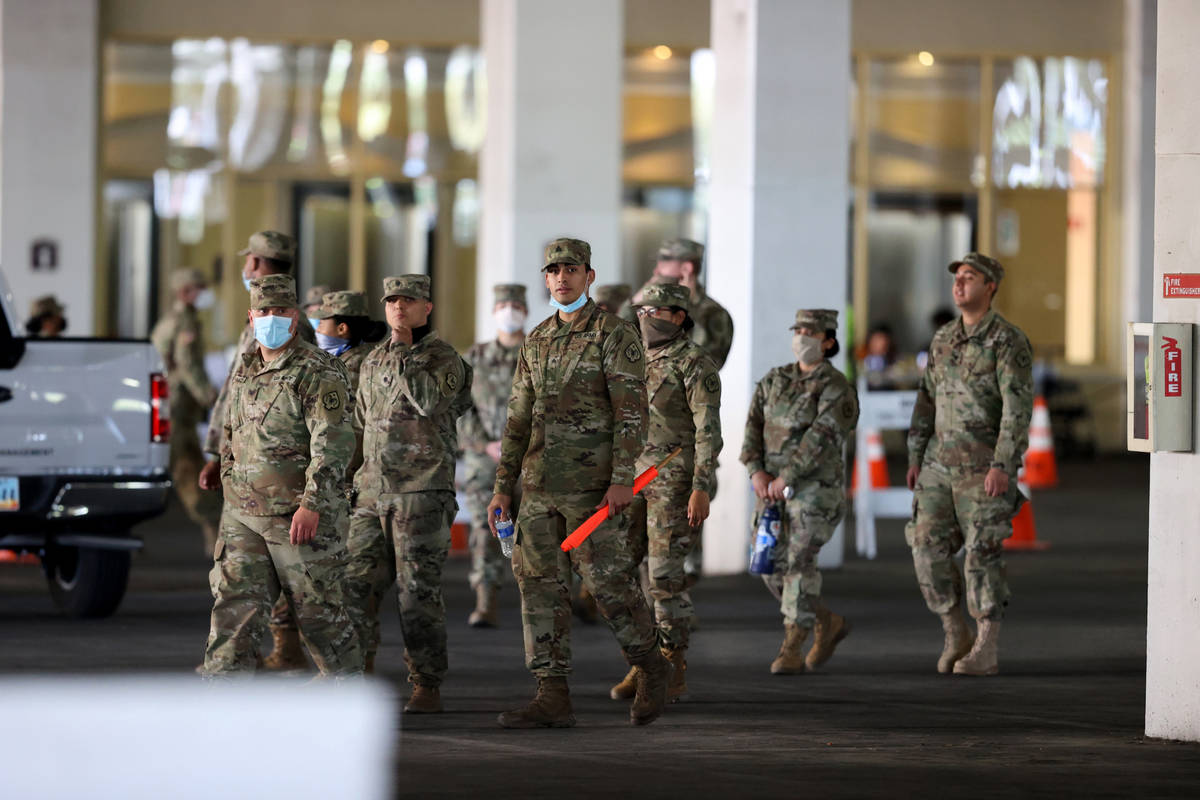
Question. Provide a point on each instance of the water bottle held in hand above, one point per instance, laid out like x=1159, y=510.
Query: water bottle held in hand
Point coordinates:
x=762, y=557
x=504, y=531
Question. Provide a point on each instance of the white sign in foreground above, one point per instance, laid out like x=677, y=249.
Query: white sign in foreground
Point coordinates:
x=167, y=736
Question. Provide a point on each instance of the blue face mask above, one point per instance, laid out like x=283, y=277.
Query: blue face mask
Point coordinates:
x=273, y=332
x=246, y=283
x=314, y=322
x=579, y=303
x=333, y=345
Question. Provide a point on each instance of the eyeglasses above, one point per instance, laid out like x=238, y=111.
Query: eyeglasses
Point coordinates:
x=643, y=311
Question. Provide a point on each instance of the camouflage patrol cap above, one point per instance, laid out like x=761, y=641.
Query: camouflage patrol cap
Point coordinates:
x=819, y=319
x=316, y=295
x=681, y=250
x=46, y=304
x=273, y=291
x=341, y=304
x=271, y=244
x=184, y=277
x=568, y=251
x=987, y=265
x=666, y=295
x=509, y=293
x=412, y=285
x=612, y=295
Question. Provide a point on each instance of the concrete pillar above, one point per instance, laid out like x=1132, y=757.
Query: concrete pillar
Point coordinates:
x=551, y=160
x=778, y=223
x=1173, y=605
x=49, y=89
x=1137, y=165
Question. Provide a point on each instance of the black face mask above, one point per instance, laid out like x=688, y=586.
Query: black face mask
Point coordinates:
x=657, y=332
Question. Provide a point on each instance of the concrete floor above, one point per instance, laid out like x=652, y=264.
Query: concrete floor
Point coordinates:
x=1063, y=719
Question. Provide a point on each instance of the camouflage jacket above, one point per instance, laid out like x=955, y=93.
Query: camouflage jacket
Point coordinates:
x=179, y=341
x=975, y=398
x=409, y=398
x=798, y=424
x=214, y=440
x=713, y=330
x=577, y=417
x=684, y=394
x=352, y=360
x=287, y=433
x=494, y=365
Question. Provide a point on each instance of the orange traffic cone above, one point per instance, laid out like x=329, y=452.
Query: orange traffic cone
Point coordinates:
x=876, y=462
x=1041, y=469
x=1024, y=531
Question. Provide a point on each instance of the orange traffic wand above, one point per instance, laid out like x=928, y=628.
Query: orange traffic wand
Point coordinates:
x=641, y=482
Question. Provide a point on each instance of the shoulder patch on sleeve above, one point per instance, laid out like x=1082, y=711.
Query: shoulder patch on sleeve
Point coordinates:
x=712, y=383
x=633, y=352
x=848, y=408
x=332, y=400
x=450, y=383
x=1023, y=359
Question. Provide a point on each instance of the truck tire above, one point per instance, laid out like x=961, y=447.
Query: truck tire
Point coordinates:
x=86, y=582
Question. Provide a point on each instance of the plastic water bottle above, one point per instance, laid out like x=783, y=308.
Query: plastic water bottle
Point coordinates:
x=504, y=530
x=762, y=557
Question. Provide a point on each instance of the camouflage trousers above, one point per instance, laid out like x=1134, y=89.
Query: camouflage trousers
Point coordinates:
x=254, y=562
x=661, y=532
x=402, y=539
x=806, y=523
x=605, y=562
x=186, y=459
x=489, y=567
x=951, y=509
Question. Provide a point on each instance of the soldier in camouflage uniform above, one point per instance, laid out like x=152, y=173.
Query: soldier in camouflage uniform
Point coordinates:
x=342, y=321
x=684, y=393
x=970, y=428
x=288, y=436
x=612, y=297
x=412, y=389
x=313, y=299
x=575, y=429
x=796, y=431
x=479, y=431
x=267, y=253
x=180, y=342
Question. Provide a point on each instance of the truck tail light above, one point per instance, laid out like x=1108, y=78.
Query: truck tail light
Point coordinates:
x=160, y=414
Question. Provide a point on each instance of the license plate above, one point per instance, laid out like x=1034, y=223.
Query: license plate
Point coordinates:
x=10, y=494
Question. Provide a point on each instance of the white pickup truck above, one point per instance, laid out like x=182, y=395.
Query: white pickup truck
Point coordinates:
x=83, y=457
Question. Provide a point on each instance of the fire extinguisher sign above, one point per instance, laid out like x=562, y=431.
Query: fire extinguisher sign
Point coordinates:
x=1172, y=367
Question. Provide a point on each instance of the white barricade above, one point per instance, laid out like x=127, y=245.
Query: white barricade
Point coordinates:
x=878, y=411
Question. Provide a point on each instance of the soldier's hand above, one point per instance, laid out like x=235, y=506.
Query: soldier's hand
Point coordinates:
x=618, y=499
x=775, y=489
x=493, y=450
x=304, y=526
x=502, y=502
x=910, y=479
x=402, y=336
x=996, y=482
x=761, y=481
x=210, y=476
x=697, y=508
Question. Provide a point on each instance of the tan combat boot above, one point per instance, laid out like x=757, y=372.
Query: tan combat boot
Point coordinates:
x=424, y=700
x=484, y=615
x=830, y=629
x=286, y=654
x=984, y=656
x=550, y=708
x=651, y=697
x=677, y=688
x=958, y=639
x=627, y=688
x=790, y=660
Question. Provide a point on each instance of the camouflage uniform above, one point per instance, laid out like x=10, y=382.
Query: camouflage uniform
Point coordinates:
x=972, y=413
x=333, y=304
x=180, y=342
x=613, y=298
x=313, y=299
x=684, y=394
x=267, y=244
x=287, y=435
x=576, y=424
x=408, y=400
x=483, y=423
x=796, y=430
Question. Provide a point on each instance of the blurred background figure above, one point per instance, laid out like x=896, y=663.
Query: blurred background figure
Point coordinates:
x=313, y=300
x=46, y=320
x=879, y=357
x=612, y=297
x=943, y=316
